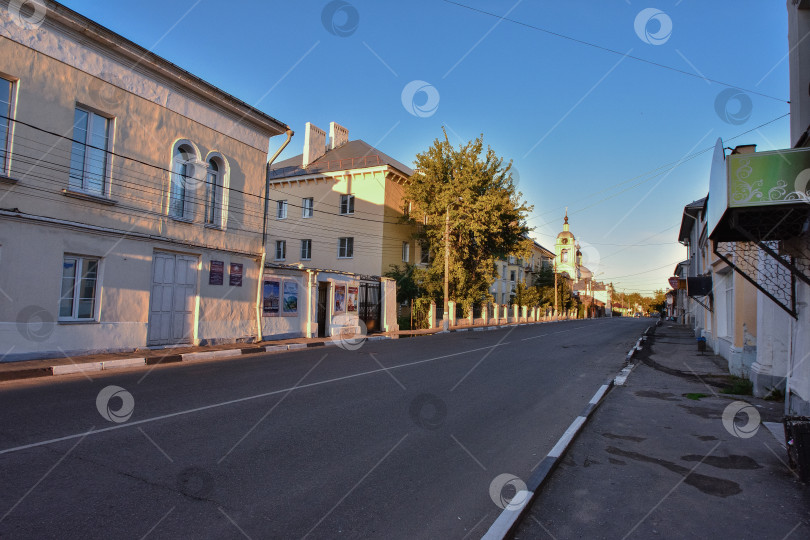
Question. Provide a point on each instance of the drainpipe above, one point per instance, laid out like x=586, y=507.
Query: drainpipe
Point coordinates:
x=260, y=286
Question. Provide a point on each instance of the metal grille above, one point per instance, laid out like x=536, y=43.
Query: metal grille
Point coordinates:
x=771, y=266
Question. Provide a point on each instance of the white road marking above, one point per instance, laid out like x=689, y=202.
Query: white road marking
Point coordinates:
x=243, y=399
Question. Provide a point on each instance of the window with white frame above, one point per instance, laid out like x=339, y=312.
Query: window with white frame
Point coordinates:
x=346, y=247
x=89, y=154
x=213, y=194
x=565, y=256
x=307, y=207
x=6, y=110
x=281, y=250
x=180, y=192
x=281, y=209
x=79, y=288
x=406, y=252
x=347, y=204
x=306, y=249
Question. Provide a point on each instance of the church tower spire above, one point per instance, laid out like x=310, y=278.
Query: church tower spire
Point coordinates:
x=565, y=225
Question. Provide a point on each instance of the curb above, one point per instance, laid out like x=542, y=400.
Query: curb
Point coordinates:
x=508, y=519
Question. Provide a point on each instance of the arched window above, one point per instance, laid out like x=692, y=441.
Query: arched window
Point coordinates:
x=180, y=195
x=212, y=193
x=216, y=190
x=565, y=256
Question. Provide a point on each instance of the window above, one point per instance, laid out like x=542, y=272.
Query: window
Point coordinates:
x=424, y=254
x=504, y=272
x=306, y=249
x=6, y=93
x=347, y=204
x=79, y=279
x=512, y=276
x=307, y=207
x=88, y=157
x=179, y=194
x=406, y=251
x=281, y=209
x=213, y=194
x=281, y=250
x=565, y=256
x=346, y=248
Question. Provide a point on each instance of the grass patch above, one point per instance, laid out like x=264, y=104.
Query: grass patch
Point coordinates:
x=739, y=387
x=695, y=395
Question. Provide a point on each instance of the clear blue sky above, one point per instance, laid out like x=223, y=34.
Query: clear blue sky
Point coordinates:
x=584, y=126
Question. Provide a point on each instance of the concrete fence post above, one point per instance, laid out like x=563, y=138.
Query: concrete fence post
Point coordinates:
x=432, y=322
x=452, y=309
x=485, y=313
x=470, y=317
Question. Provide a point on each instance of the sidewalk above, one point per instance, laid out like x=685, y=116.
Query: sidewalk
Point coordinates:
x=652, y=462
x=66, y=365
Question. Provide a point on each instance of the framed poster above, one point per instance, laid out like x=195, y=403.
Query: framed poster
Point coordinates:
x=236, y=275
x=270, y=298
x=351, y=299
x=340, y=298
x=289, y=305
x=216, y=273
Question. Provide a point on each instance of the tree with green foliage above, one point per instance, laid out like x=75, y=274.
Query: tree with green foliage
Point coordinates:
x=525, y=296
x=407, y=278
x=474, y=189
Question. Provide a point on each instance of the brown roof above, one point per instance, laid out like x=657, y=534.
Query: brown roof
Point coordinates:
x=352, y=155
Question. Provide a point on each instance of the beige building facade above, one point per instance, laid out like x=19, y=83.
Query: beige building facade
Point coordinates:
x=336, y=214
x=131, y=193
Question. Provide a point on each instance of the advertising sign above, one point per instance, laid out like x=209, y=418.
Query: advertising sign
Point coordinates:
x=351, y=300
x=768, y=178
x=270, y=298
x=290, y=298
x=340, y=298
x=216, y=273
x=236, y=275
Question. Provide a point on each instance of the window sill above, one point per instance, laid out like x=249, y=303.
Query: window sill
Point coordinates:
x=182, y=219
x=345, y=258
x=88, y=197
x=214, y=227
x=7, y=180
x=77, y=321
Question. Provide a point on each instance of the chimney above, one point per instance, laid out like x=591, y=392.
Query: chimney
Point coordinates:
x=314, y=144
x=338, y=135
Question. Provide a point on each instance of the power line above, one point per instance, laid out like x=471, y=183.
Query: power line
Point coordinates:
x=613, y=51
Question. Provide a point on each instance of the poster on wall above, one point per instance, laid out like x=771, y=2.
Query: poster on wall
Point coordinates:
x=216, y=273
x=351, y=299
x=340, y=298
x=270, y=300
x=236, y=275
x=289, y=304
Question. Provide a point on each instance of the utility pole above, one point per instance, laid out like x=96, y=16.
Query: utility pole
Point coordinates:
x=446, y=319
x=555, y=287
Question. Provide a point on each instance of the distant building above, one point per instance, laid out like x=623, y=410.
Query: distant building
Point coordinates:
x=594, y=295
x=337, y=209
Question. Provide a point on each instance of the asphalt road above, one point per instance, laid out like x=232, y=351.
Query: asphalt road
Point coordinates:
x=398, y=439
